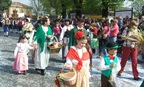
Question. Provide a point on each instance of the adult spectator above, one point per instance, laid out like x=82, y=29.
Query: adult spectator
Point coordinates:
x=141, y=24
x=114, y=31
x=64, y=37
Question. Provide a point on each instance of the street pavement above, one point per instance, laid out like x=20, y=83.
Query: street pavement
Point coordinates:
x=9, y=78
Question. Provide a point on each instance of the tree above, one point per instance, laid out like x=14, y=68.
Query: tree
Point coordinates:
x=64, y=6
x=61, y=7
x=5, y=4
x=37, y=7
x=101, y=6
x=78, y=8
x=138, y=7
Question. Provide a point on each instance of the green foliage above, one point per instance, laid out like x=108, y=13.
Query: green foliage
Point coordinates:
x=89, y=6
x=137, y=6
x=5, y=4
x=94, y=6
x=56, y=5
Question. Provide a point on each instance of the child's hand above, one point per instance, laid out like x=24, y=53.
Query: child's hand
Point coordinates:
x=67, y=66
x=112, y=65
x=35, y=46
x=49, y=36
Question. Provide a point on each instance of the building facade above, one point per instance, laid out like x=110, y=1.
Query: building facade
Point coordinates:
x=18, y=9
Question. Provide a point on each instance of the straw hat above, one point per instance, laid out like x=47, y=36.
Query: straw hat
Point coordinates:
x=133, y=23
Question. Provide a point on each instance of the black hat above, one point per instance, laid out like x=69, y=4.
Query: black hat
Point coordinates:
x=112, y=45
x=81, y=20
x=67, y=20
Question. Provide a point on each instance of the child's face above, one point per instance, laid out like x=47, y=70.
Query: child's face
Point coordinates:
x=81, y=43
x=112, y=51
x=24, y=40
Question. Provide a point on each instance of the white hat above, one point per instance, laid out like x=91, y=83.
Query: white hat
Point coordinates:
x=28, y=19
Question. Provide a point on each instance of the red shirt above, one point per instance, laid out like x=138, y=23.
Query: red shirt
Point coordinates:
x=95, y=30
x=19, y=23
x=114, y=31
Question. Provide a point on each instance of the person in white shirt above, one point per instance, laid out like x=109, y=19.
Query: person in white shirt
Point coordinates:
x=65, y=37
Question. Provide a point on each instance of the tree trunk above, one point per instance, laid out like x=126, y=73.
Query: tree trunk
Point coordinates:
x=105, y=10
x=78, y=12
x=78, y=4
x=63, y=10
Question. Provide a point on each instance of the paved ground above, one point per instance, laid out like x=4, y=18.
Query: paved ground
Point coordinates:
x=9, y=78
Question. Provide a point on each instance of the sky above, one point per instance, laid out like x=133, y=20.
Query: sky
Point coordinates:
x=27, y=2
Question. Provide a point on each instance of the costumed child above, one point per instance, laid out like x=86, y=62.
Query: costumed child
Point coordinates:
x=20, y=55
x=79, y=57
x=109, y=66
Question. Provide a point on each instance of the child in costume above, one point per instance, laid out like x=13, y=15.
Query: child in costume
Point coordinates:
x=78, y=58
x=20, y=55
x=109, y=66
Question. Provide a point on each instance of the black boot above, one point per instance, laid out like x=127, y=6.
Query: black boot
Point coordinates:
x=64, y=59
x=25, y=72
x=42, y=72
x=37, y=69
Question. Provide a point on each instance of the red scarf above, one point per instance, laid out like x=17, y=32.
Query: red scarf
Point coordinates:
x=73, y=54
x=111, y=57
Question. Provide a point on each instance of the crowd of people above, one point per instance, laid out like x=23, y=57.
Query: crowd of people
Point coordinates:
x=81, y=38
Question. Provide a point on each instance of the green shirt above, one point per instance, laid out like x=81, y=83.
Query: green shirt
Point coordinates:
x=72, y=38
x=41, y=37
x=108, y=72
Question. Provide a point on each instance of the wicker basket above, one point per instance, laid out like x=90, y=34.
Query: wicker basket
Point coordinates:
x=68, y=78
x=55, y=48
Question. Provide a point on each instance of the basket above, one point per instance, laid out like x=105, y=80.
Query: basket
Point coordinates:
x=68, y=78
x=54, y=46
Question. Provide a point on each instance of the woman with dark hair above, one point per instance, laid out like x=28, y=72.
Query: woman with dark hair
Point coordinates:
x=105, y=31
x=64, y=36
x=57, y=29
x=79, y=57
x=41, y=39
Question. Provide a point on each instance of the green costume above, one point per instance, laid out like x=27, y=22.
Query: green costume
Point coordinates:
x=72, y=38
x=108, y=72
x=41, y=37
x=42, y=53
